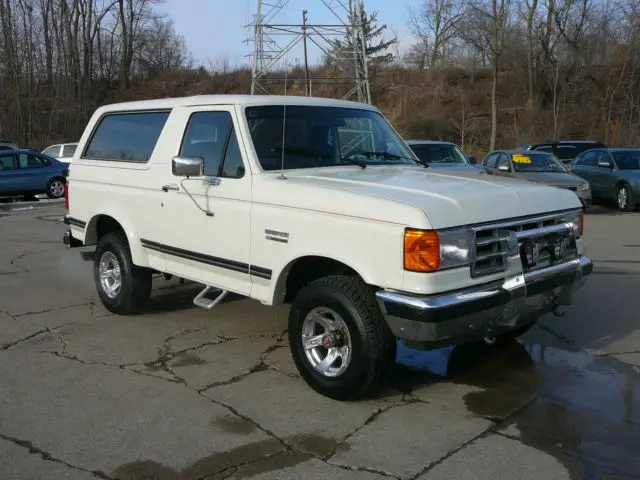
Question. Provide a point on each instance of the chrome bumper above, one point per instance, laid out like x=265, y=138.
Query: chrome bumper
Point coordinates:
x=485, y=311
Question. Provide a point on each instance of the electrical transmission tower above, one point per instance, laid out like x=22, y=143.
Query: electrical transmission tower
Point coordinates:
x=342, y=43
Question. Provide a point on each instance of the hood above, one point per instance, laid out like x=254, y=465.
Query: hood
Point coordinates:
x=552, y=178
x=447, y=198
x=457, y=167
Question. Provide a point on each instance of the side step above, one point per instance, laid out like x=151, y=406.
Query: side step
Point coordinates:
x=203, y=301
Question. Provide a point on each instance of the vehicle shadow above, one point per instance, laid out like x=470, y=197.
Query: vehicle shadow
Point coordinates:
x=177, y=297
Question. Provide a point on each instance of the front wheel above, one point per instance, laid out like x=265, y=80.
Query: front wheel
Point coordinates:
x=624, y=198
x=55, y=188
x=123, y=287
x=338, y=337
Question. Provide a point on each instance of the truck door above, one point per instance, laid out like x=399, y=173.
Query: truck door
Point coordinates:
x=207, y=234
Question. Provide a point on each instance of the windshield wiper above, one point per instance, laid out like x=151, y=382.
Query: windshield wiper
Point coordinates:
x=353, y=161
x=390, y=155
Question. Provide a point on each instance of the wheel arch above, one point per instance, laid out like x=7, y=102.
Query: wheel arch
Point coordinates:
x=103, y=223
x=305, y=269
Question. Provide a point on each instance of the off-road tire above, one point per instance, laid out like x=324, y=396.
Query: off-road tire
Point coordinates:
x=373, y=344
x=631, y=202
x=54, y=193
x=135, y=287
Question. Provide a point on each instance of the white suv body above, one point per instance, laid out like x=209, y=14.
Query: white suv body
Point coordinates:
x=194, y=187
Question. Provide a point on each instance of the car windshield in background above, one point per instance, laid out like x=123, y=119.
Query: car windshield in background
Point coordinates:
x=536, y=162
x=323, y=137
x=439, y=153
x=629, y=160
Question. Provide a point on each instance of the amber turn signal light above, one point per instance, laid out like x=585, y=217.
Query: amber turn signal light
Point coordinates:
x=581, y=221
x=421, y=250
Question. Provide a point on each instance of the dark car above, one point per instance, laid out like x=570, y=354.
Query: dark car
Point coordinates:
x=613, y=173
x=443, y=155
x=565, y=150
x=26, y=173
x=539, y=167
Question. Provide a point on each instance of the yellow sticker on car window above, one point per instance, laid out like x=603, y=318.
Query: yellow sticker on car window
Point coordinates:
x=519, y=158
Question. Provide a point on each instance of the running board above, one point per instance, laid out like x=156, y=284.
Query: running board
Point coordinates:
x=202, y=301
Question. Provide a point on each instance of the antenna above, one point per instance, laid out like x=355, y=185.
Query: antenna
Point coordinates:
x=284, y=122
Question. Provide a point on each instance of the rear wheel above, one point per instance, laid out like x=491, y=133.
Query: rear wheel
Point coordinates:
x=123, y=287
x=55, y=188
x=624, y=198
x=339, y=339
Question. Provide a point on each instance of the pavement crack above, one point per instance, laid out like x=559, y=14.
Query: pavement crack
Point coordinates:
x=47, y=310
x=7, y=346
x=34, y=450
x=18, y=258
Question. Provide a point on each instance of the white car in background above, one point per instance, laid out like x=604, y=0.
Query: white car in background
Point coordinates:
x=61, y=151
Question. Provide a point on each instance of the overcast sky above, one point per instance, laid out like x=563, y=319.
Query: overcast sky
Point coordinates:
x=213, y=29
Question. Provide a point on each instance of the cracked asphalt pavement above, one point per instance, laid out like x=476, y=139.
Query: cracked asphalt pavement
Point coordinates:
x=183, y=393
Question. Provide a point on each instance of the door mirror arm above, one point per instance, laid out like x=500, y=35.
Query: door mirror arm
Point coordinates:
x=188, y=167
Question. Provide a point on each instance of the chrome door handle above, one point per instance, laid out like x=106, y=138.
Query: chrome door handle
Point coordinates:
x=166, y=188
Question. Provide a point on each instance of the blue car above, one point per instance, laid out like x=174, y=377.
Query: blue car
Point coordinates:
x=27, y=173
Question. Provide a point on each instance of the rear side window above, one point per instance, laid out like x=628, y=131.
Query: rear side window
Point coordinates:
x=126, y=137
x=565, y=152
x=7, y=162
x=69, y=150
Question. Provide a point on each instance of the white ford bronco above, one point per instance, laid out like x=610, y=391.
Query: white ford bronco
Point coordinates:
x=319, y=203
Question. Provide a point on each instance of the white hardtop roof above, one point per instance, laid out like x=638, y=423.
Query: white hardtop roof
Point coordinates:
x=243, y=100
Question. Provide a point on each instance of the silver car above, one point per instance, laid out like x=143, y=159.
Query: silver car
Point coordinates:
x=539, y=167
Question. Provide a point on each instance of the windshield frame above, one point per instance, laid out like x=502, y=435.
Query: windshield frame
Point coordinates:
x=562, y=167
x=408, y=159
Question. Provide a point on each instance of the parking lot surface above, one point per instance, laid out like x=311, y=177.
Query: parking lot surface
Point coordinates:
x=185, y=393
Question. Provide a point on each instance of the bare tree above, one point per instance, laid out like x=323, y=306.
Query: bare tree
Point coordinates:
x=434, y=24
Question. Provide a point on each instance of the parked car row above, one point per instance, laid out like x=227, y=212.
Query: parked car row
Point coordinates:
x=588, y=168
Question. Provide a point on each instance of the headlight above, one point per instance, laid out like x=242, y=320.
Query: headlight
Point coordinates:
x=430, y=250
x=584, y=187
x=577, y=219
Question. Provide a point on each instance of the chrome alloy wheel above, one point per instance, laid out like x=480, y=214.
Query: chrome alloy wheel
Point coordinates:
x=57, y=188
x=110, y=277
x=623, y=198
x=326, y=342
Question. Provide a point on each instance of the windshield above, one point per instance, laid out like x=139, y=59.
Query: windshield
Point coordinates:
x=439, y=153
x=629, y=160
x=536, y=162
x=323, y=137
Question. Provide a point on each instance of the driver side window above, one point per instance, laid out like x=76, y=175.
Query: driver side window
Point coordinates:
x=211, y=136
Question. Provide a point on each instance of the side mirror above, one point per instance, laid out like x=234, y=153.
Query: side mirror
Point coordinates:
x=472, y=159
x=187, y=166
x=604, y=164
x=504, y=168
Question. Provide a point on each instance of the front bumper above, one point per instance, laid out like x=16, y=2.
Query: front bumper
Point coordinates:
x=484, y=311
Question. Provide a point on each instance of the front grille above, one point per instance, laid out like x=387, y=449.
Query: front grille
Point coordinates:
x=492, y=250
x=573, y=188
